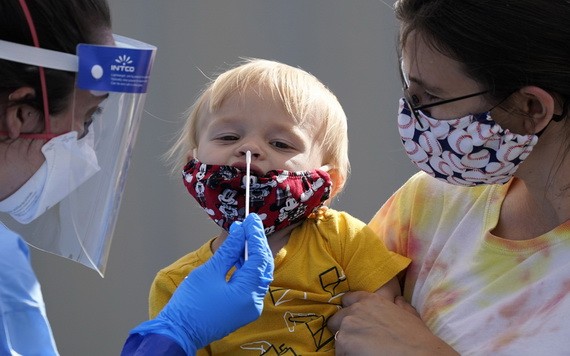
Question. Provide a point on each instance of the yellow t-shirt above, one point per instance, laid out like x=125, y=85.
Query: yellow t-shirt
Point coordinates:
x=328, y=255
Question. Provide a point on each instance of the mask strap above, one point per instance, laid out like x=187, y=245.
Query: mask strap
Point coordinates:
x=47, y=132
x=560, y=117
x=555, y=118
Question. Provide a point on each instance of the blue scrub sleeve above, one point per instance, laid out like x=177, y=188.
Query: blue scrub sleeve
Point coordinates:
x=24, y=327
x=151, y=344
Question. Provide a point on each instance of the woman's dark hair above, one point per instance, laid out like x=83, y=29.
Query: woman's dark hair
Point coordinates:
x=60, y=26
x=502, y=44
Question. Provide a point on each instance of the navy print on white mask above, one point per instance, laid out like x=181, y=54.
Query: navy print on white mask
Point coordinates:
x=468, y=151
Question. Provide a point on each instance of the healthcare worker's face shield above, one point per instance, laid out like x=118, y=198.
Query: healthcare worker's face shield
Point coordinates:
x=70, y=205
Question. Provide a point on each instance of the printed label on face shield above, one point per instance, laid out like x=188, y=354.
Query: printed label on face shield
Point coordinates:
x=114, y=69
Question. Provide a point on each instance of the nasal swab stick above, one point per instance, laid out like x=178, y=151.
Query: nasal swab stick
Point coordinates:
x=247, y=170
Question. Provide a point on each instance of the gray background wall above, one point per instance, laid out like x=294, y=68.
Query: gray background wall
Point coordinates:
x=349, y=45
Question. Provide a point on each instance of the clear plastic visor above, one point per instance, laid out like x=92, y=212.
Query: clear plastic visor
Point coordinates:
x=70, y=205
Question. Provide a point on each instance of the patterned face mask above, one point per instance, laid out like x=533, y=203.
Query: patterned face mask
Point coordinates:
x=279, y=197
x=471, y=150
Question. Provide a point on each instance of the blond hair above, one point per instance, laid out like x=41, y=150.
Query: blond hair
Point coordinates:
x=304, y=98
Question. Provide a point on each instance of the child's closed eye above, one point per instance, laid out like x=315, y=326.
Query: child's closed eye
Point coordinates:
x=281, y=145
x=227, y=137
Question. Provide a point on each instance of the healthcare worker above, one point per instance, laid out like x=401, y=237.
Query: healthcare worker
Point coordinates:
x=71, y=98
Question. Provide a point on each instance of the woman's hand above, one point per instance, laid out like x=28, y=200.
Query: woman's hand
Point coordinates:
x=369, y=324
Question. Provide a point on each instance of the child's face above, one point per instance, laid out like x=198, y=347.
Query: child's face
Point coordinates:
x=262, y=126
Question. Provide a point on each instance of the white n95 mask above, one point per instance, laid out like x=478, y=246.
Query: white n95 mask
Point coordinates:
x=69, y=163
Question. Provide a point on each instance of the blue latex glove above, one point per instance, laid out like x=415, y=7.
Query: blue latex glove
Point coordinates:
x=206, y=307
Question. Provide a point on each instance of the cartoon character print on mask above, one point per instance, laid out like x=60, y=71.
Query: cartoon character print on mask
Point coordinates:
x=279, y=197
x=470, y=150
x=228, y=204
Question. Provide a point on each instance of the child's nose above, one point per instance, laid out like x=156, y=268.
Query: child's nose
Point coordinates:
x=253, y=147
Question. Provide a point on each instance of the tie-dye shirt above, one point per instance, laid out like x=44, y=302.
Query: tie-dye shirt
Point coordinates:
x=480, y=293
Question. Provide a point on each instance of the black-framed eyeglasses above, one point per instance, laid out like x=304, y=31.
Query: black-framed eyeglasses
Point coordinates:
x=412, y=100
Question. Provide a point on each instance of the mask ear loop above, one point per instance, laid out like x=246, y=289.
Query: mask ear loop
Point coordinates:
x=247, y=187
x=47, y=132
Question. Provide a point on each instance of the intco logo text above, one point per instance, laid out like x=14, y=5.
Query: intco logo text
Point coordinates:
x=123, y=64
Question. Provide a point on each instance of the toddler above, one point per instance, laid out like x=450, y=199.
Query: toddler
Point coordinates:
x=296, y=131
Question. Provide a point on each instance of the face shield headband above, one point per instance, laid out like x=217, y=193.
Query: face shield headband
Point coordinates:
x=69, y=207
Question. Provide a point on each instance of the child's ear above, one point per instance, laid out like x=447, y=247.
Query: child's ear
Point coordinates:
x=337, y=181
x=21, y=117
x=191, y=154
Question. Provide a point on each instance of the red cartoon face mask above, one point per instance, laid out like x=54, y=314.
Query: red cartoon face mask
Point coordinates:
x=279, y=197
